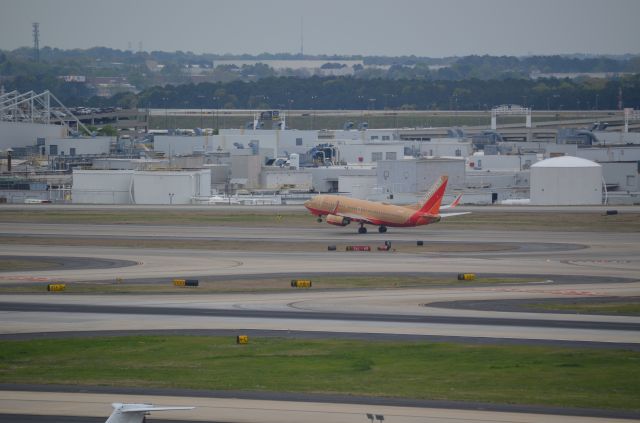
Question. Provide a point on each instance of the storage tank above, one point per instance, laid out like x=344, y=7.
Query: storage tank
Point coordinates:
x=567, y=181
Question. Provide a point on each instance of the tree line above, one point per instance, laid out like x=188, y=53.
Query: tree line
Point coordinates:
x=379, y=94
x=404, y=82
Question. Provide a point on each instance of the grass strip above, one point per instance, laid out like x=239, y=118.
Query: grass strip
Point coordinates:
x=245, y=245
x=266, y=284
x=218, y=216
x=606, y=379
x=624, y=308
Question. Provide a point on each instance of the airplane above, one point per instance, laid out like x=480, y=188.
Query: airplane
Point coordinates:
x=341, y=211
x=135, y=413
x=454, y=203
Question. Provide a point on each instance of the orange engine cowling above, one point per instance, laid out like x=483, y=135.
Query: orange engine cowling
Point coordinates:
x=338, y=220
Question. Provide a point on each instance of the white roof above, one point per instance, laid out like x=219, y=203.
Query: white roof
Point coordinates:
x=566, y=161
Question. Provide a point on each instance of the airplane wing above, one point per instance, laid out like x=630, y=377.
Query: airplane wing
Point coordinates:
x=359, y=218
x=152, y=408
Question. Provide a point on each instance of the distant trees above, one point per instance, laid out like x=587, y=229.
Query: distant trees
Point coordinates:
x=404, y=82
x=354, y=93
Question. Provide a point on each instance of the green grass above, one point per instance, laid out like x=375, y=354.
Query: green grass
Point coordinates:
x=500, y=374
x=217, y=216
x=210, y=216
x=626, y=308
x=533, y=221
x=267, y=284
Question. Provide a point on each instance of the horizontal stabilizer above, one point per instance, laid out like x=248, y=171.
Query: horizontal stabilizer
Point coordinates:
x=453, y=214
x=134, y=413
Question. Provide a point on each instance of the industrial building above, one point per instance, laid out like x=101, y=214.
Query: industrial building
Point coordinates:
x=49, y=161
x=140, y=187
x=566, y=181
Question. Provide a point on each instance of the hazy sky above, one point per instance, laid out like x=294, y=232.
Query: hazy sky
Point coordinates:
x=434, y=28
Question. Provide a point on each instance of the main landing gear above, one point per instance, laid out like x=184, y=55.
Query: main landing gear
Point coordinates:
x=319, y=219
x=362, y=229
x=382, y=229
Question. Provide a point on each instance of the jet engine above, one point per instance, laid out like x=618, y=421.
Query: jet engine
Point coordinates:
x=338, y=220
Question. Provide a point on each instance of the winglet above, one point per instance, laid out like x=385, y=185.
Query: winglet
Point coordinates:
x=433, y=198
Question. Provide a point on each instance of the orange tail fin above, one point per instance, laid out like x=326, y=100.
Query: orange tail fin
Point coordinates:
x=433, y=198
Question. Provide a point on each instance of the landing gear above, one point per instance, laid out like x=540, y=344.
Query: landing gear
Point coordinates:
x=362, y=229
x=319, y=219
x=382, y=229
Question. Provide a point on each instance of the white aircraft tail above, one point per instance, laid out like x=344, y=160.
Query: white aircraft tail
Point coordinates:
x=453, y=204
x=134, y=413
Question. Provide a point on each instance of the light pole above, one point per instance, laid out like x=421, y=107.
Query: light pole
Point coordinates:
x=166, y=116
x=215, y=99
x=200, y=100
x=171, y=194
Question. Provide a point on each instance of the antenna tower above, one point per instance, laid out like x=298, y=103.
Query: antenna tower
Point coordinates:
x=301, y=36
x=36, y=42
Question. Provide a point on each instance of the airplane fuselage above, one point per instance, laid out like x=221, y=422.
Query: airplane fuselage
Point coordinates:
x=357, y=210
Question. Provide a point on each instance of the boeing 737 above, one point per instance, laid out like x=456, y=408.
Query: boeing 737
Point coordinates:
x=341, y=211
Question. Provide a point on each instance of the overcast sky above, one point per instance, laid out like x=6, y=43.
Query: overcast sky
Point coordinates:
x=434, y=28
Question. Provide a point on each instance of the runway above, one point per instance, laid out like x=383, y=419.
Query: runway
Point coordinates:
x=226, y=408
x=607, y=255
x=561, y=265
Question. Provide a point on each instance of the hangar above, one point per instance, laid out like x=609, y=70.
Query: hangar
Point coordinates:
x=566, y=181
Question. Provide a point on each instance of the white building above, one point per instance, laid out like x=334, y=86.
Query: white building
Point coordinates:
x=139, y=187
x=621, y=176
x=445, y=147
x=24, y=134
x=617, y=137
x=284, y=178
x=358, y=186
x=566, y=181
x=327, y=178
x=102, y=186
x=77, y=146
x=417, y=175
x=245, y=169
x=352, y=152
x=610, y=154
x=180, y=145
x=500, y=163
x=282, y=142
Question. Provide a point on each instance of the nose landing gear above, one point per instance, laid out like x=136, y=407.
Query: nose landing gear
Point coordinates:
x=362, y=229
